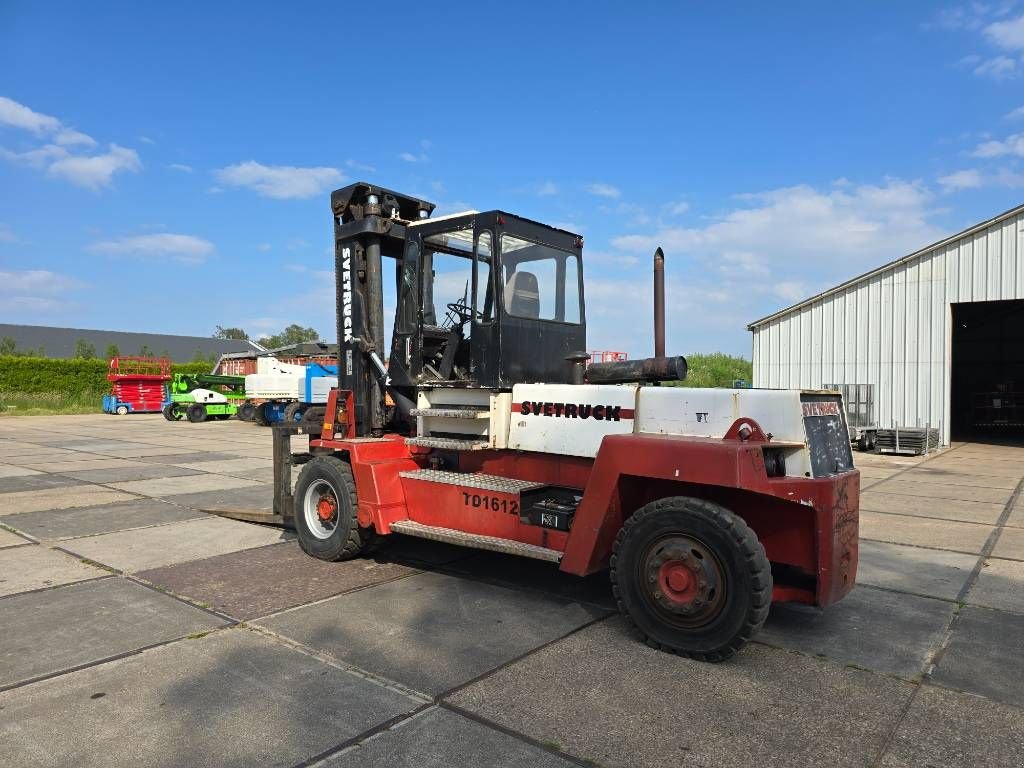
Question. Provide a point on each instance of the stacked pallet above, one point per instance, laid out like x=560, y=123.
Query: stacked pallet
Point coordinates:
x=909, y=440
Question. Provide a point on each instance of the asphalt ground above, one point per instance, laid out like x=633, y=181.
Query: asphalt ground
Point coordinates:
x=135, y=630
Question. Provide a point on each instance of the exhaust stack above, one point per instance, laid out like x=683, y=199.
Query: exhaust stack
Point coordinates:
x=659, y=303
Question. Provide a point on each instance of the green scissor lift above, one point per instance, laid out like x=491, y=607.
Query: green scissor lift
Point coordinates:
x=201, y=396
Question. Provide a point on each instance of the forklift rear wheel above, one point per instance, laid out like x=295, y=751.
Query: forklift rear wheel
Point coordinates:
x=196, y=413
x=691, y=578
x=172, y=412
x=121, y=410
x=325, y=511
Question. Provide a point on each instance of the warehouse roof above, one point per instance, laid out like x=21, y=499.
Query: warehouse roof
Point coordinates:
x=909, y=257
x=61, y=342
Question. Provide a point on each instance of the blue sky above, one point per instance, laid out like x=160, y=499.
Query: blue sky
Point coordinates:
x=167, y=168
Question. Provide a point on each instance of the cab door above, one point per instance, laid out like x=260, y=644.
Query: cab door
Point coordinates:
x=484, y=351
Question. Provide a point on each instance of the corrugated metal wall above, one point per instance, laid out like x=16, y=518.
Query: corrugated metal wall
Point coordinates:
x=891, y=327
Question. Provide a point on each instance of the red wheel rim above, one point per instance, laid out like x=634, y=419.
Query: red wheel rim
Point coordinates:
x=683, y=580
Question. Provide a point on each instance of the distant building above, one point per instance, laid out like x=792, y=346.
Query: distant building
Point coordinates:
x=62, y=342
x=937, y=334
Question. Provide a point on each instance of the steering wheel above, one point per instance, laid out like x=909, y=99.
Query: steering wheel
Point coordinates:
x=460, y=311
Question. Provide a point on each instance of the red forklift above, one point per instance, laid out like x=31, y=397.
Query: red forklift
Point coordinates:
x=706, y=505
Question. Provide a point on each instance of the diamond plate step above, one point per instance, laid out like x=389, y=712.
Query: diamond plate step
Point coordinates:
x=447, y=443
x=475, y=540
x=472, y=480
x=461, y=412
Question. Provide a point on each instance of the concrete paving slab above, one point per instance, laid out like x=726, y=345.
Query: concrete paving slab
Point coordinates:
x=765, y=707
x=880, y=500
x=8, y=539
x=976, y=467
x=79, y=464
x=35, y=567
x=231, y=698
x=870, y=628
x=146, y=548
x=923, y=531
x=229, y=466
x=1000, y=585
x=931, y=572
x=905, y=484
x=1010, y=544
x=193, y=457
x=255, y=495
x=945, y=728
x=136, y=471
x=1016, y=518
x=940, y=475
x=257, y=582
x=94, y=446
x=88, y=521
x=985, y=655
x=170, y=486
x=522, y=573
x=12, y=471
x=59, y=498
x=439, y=738
x=37, y=482
x=144, y=452
x=430, y=631
x=59, y=629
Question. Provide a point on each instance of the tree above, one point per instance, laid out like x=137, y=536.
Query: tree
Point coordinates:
x=145, y=351
x=293, y=334
x=230, y=333
x=84, y=350
x=112, y=351
x=8, y=346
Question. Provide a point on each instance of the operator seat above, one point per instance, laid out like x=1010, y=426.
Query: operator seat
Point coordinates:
x=522, y=296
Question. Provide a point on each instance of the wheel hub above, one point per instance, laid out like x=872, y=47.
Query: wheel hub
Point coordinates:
x=326, y=508
x=684, y=579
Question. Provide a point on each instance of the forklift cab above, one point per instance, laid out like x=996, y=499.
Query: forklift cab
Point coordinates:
x=487, y=300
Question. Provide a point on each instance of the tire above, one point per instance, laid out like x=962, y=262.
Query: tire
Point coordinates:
x=325, y=511
x=246, y=412
x=196, y=413
x=314, y=416
x=261, y=415
x=172, y=412
x=121, y=410
x=691, y=578
x=223, y=416
x=293, y=413
x=863, y=442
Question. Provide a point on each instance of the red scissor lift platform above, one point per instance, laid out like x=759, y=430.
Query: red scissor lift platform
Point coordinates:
x=137, y=384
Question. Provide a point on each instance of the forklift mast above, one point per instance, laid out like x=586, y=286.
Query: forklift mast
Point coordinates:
x=517, y=314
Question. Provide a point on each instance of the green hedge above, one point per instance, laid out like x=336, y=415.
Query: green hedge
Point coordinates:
x=716, y=370
x=45, y=375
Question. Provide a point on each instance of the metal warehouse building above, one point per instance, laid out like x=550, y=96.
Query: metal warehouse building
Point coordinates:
x=939, y=334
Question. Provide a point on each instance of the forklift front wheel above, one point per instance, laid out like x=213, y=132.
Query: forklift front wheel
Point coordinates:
x=691, y=577
x=172, y=412
x=325, y=511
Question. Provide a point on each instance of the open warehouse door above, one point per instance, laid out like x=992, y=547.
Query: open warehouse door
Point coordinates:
x=987, y=377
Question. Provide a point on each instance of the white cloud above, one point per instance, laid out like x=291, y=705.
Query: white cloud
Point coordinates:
x=411, y=157
x=181, y=167
x=603, y=190
x=677, y=208
x=263, y=247
x=547, y=189
x=967, y=179
x=280, y=182
x=1007, y=34
x=7, y=234
x=1011, y=145
x=68, y=137
x=146, y=140
x=19, y=116
x=58, y=156
x=1015, y=114
x=36, y=291
x=187, y=249
x=357, y=166
x=842, y=230
x=998, y=68
x=95, y=171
